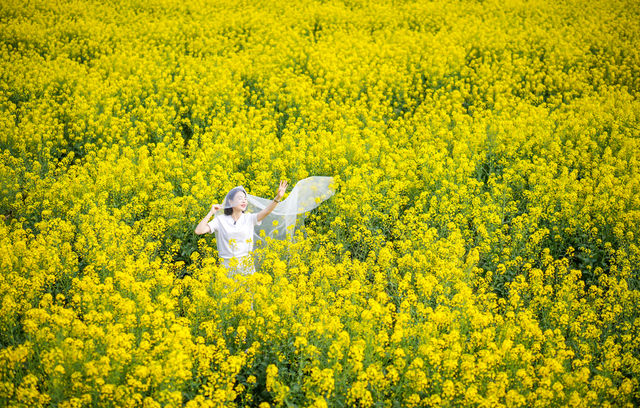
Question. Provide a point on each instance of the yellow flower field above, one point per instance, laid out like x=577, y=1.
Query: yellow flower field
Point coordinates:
x=481, y=249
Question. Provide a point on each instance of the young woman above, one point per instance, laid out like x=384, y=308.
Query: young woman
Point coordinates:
x=234, y=229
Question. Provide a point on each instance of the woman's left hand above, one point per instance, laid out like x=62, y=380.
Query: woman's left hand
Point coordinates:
x=281, y=189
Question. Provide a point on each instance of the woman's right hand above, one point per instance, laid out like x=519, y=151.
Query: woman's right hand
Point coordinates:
x=215, y=208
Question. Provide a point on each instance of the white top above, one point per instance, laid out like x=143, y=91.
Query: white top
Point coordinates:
x=234, y=238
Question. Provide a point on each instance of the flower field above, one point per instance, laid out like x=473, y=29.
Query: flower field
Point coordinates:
x=481, y=249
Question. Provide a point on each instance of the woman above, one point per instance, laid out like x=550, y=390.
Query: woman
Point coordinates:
x=234, y=229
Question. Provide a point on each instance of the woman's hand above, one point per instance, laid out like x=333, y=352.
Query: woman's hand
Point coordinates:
x=266, y=210
x=215, y=208
x=281, y=189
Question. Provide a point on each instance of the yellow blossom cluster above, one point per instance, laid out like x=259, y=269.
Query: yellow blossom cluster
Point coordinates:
x=481, y=249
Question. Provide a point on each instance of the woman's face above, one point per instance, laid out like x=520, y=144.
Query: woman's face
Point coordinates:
x=239, y=201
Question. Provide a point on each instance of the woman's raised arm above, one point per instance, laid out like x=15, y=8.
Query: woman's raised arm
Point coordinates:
x=203, y=227
x=267, y=210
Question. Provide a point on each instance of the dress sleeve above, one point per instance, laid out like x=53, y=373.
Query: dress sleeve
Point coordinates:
x=213, y=224
x=254, y=219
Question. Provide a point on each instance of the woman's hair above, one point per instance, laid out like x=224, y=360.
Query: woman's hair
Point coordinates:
x=228, y=210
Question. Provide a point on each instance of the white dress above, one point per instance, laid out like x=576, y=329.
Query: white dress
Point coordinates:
x=235, y=241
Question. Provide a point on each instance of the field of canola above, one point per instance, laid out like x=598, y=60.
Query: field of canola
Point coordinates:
x=482, y=247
